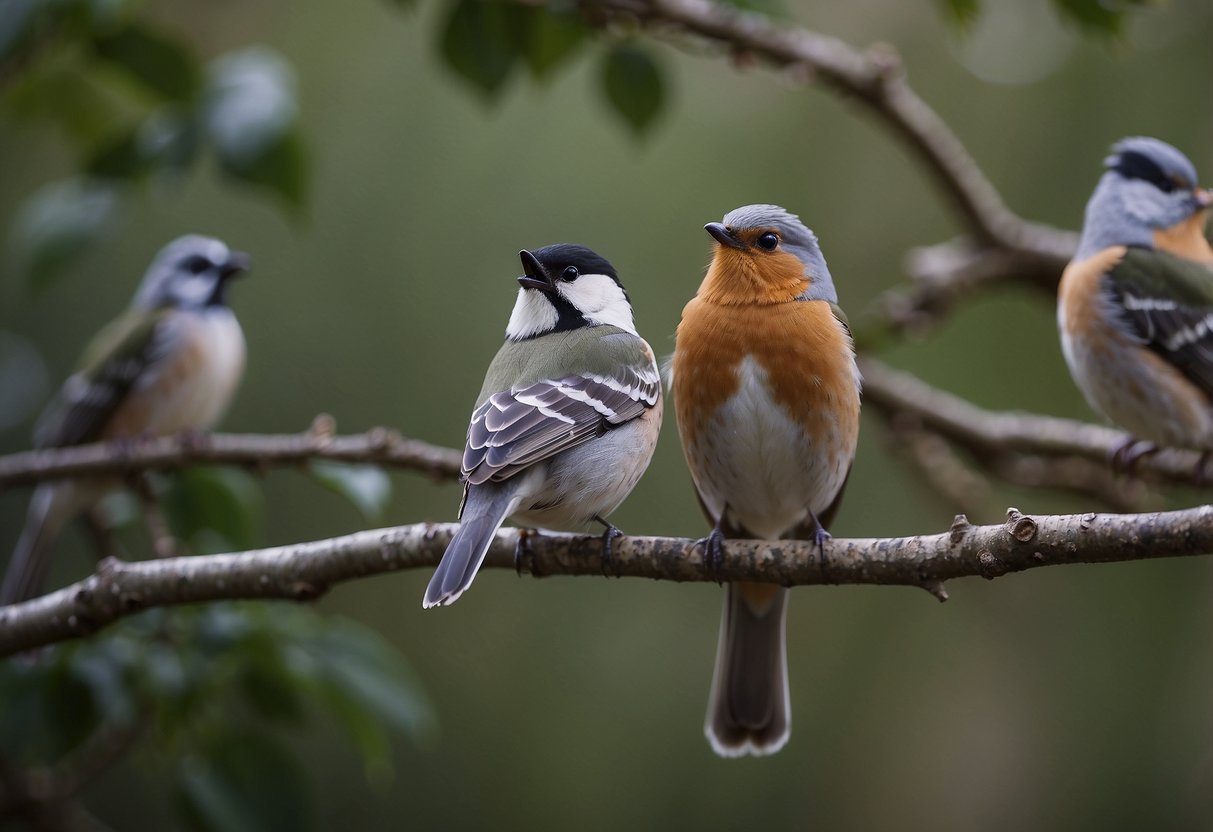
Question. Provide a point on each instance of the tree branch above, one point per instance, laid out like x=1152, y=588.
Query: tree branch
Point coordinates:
x=991, y=436
x=999, y=244
x=378, y=446
x=304, y=571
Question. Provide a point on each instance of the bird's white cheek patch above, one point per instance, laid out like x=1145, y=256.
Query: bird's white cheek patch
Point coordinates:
x=532, y=315
x=600, y=299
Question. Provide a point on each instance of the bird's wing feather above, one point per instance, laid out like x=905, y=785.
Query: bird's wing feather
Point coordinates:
x=519, y=427
x=1166, y=303
x=113, y=363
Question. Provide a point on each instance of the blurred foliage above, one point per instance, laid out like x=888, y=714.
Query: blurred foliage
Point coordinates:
x=137, y=103
x=213, y=694
x=1100, y=18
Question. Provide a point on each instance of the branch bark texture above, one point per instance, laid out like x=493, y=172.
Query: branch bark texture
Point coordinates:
x=378, y=446
x=991, y=435
x=304, y=571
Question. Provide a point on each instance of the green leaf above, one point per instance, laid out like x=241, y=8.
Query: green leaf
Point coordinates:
x=962, y=13
x=244, y=781
x=550, y=39
x=267, y=682
x=160, y=63
x=165, y=140
x=479, y=45
x=282, y=169
x=250, y=114
x=369, y=671
x=58, y=223
x=366, y=486
x=1101, y=17
x=225, y=501
x=633, y=85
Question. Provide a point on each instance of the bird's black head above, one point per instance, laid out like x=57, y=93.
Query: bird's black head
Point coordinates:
x=567, y=286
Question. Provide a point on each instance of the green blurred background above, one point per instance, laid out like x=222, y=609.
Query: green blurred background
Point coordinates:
x=1070, y=698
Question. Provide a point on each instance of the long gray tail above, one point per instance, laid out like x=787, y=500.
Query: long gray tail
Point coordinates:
x=26, y=574
x=486, y=508
x=748, y=709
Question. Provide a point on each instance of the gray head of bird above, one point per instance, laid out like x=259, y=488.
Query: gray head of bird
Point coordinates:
x=1148, y=186
x=564, y=287
x=191, y=272
x=774, y=251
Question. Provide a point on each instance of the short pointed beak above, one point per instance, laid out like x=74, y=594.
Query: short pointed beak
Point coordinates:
x=1204, y=198
x=534, y=276
x=722, y=235
x=238, y=262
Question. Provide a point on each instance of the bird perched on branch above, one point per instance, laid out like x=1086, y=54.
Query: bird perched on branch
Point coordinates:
x=172, y=362
x=567, y=417
x=1135, y=305
x=766, y=393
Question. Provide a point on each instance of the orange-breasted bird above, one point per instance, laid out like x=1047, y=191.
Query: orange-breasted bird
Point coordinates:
x=766, y=393
x=172, y=362
x=1135, y=305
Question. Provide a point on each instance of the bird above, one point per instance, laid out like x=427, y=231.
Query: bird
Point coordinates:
x=766, y=395
x=567, y=417
x=1135, y=304
x=170, y=363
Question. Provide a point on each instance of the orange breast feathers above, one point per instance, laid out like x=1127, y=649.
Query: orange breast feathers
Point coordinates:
x=805, y=352
x=1079, y=292
x=1186, y=239
x=741, y=278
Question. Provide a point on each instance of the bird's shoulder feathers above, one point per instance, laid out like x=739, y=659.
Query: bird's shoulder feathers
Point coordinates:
x=551, y=393
x=113, y=361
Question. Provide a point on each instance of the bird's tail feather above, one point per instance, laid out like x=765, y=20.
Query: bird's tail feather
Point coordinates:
x=48, y=510
x=485, y=509
x=748, y=709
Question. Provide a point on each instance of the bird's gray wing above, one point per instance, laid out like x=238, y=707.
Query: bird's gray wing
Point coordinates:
x=517, y=428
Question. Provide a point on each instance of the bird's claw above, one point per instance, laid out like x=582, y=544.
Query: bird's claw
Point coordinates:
x=608, y=536
x=713, y=549
x=1125, y=456
x=522, y=549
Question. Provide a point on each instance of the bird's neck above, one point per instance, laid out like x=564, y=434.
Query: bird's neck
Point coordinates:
x=1187, y=239
x=735, y=278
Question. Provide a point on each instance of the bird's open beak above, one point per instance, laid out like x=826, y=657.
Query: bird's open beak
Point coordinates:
x=722, y=235
x=534, y=276
x=238, y=262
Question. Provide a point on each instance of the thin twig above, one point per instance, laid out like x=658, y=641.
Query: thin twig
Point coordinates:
x=998, y=245
x=995, y=434
x=379, y=446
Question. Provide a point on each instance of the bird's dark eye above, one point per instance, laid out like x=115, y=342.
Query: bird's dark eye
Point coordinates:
x=196, y=264
x=768, y=241
x=570, y=274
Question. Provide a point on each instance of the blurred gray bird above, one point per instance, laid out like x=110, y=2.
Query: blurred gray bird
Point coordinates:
x=567, y=417
x=172, y=362
x=1135, y=305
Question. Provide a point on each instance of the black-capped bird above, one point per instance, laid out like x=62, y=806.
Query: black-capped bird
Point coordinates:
x=567, y=417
